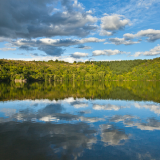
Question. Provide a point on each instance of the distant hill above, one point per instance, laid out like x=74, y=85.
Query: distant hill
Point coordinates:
x=94, y=70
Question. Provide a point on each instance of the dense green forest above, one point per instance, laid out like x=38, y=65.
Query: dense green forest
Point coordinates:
x=137, y=90
x=90, y=70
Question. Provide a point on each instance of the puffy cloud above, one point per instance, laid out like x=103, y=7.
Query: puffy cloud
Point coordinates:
x=118, y=118
x=105, y=33
x=128, y=121
x=151, y=34
x=77, y=5
x=119, y=41
x=8, y=111
x=27, y=48
x=63, y=42
x=112, y=136
x=107, y=107
x=91, y=120
x=51, y=50
x=41, y=18
x=91, y=39
x=47, y=58
x=52, y=46
x=129, y=36
x=151, y=125
x=89, y=12
x=69, y=100
x=68, y=140
x=111, y=23
x=107, y=52
x=79, y=54
x=152, y=107
x=73, y=101
x=52, y=112
x=7, y=49
x=49, y=119
x=3, y=39
x=83, y=47
x=153, y=52
x=78, y=104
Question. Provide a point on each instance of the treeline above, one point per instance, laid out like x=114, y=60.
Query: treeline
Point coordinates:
x=137, y=91
x=90, y=70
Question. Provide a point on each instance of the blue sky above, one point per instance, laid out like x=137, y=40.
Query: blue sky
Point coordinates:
x=79, y=30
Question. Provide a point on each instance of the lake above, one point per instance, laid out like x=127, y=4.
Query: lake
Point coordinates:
x=80, y=121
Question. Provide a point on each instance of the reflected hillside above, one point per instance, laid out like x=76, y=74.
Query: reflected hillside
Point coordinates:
x=128, y=90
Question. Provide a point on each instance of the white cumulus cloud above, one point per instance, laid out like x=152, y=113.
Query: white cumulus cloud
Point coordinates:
x=153, y=52
x=111, y=23
x=7, y=49
x=119, y=41
x=107, y=107
x=112, y=136
x=52, y=47
x=151, y=34
x=79, y=54
x=107, y=52
x=152, y=107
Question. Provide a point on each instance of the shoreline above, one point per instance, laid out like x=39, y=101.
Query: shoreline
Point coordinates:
x=28, y=81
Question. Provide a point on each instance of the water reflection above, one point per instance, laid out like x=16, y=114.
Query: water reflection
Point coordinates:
x=138, y=91
x=56, y=124
x=52, y=112
x=152, y=107
x=43, y=140
x=112, y=136
x=107, y=107
x=131, y=121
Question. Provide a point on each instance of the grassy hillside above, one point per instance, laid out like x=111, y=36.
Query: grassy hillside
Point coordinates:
x=95, y=71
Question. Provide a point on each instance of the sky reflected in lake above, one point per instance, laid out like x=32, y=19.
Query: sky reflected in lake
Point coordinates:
x=79, y=128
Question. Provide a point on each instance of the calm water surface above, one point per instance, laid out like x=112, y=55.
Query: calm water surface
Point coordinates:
x=89, y=121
